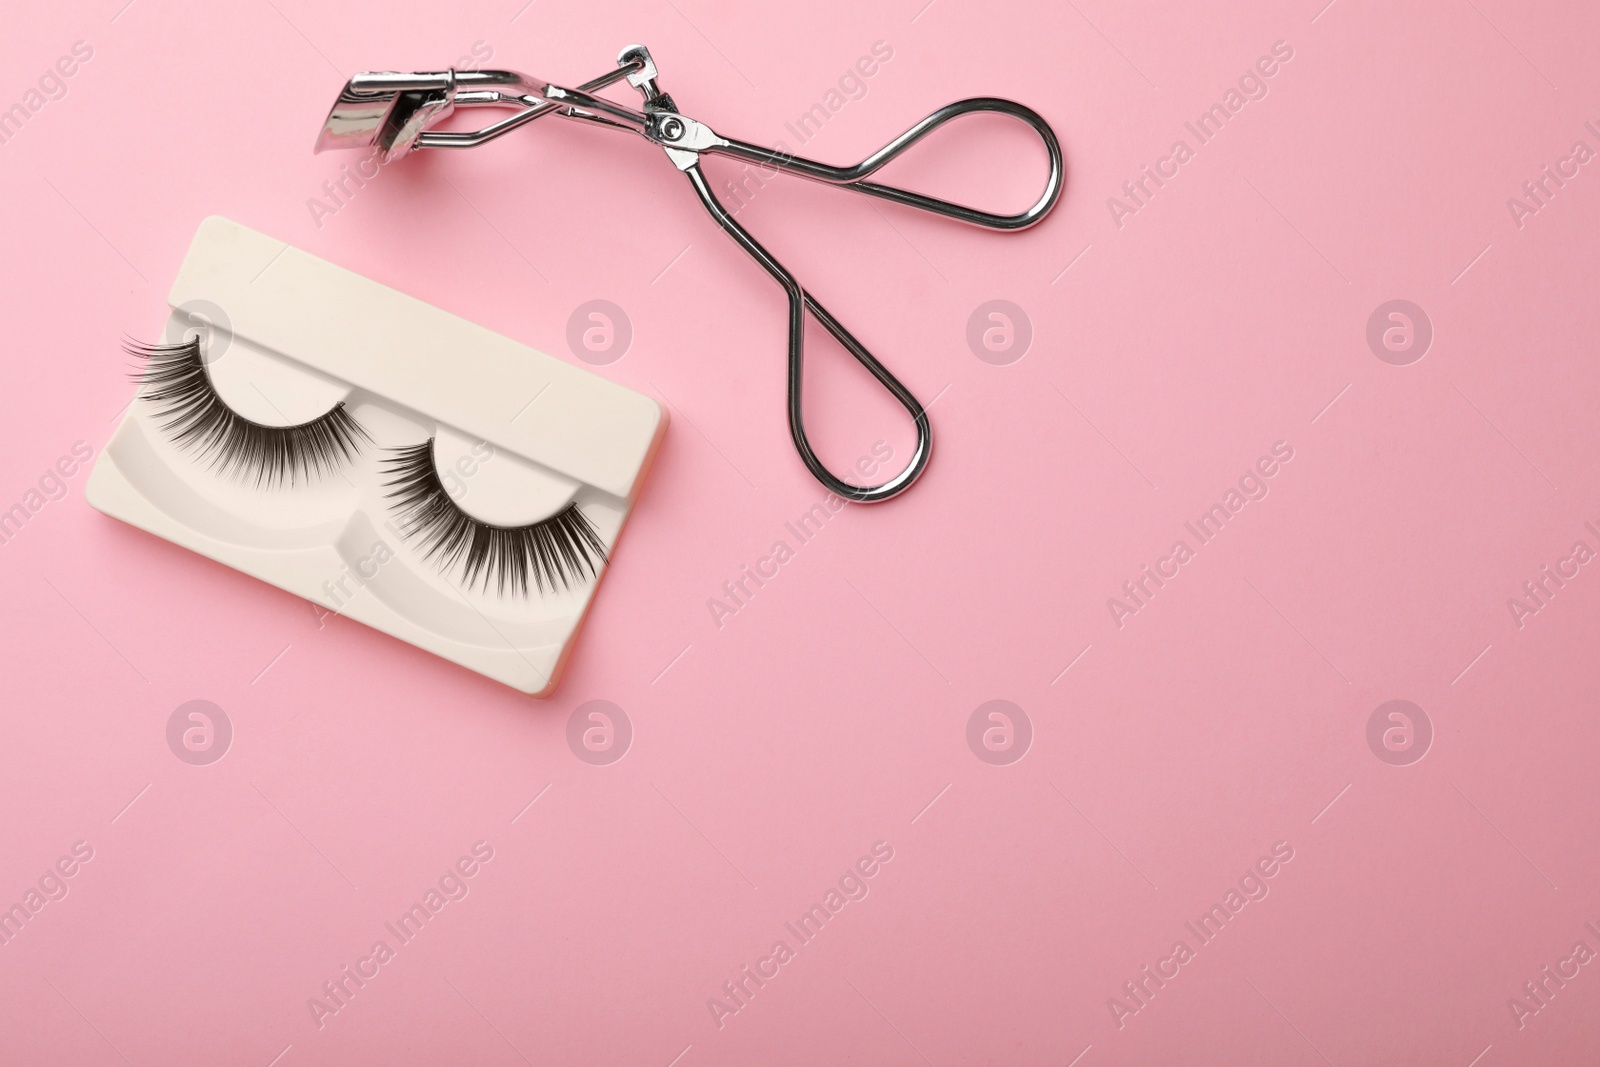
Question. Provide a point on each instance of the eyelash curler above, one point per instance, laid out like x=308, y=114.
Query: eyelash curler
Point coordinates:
x=395, y=113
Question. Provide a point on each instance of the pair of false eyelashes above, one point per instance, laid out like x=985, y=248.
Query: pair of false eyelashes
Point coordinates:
x=556, y=552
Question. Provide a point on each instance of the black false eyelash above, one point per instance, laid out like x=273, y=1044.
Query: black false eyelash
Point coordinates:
x=557, y=551
x=178, y=383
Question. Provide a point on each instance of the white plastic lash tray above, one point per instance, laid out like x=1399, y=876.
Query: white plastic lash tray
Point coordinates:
x=524, y=446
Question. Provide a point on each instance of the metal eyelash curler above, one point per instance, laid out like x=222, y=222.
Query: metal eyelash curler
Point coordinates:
x=395, y=112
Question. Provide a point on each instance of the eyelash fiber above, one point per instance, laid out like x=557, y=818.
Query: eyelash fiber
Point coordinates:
x=556, y=552
x=177, y=382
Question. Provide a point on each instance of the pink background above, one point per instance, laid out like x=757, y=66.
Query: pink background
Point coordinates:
x=831, y=712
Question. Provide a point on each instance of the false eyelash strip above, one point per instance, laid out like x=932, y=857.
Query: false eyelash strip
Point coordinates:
x=177, y=382
x=556, y=552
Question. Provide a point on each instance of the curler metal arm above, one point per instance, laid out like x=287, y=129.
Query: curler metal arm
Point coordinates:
x=853, y=177
x=801, y=302
x=394, y=113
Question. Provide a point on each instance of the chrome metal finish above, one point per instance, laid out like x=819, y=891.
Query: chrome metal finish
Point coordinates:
x=801, y=302
x=387, y=111
x=643, y=78
x=396, y=113
x=852, y=177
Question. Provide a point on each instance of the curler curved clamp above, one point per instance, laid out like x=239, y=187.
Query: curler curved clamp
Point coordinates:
x=394, y=112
